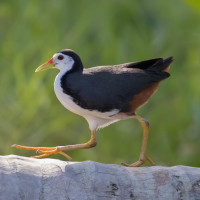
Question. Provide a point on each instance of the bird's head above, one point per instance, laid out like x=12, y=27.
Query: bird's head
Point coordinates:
x=65, y=60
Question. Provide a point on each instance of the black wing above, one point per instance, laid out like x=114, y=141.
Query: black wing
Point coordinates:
x=109, y=87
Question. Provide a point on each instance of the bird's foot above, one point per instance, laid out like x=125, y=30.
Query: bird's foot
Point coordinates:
x=44, y=151
x=140, y=162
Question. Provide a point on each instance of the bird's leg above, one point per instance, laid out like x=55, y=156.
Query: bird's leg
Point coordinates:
x=143, y=157
x=46, y=151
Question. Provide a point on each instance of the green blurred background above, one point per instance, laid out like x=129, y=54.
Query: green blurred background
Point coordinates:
x=102, y=33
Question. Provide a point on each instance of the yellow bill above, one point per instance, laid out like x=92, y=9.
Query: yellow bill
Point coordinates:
x=49, y=64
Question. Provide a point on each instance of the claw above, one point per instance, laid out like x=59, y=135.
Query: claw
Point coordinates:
x=135, y=164
x=139, y=163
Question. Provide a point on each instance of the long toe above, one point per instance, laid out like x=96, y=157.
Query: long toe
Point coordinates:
x=150, y=161
x=32, y=148
x=44, y=151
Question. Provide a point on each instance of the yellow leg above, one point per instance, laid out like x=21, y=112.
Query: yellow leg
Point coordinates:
x=143, y=157
x=46, y=151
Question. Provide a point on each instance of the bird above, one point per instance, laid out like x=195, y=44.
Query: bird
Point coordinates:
x=103, y=95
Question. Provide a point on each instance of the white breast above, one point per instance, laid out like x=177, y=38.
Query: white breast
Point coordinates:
x=95, y=118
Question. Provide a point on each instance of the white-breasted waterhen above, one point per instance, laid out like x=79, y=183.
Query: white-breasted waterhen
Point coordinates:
x=103, y=95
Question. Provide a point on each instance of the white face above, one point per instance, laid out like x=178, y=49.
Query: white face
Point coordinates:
x=63, y=62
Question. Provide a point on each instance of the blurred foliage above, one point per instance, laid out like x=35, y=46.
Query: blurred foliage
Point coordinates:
x=101, y=32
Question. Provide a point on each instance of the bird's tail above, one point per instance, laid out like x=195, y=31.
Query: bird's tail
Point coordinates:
x=162, y=65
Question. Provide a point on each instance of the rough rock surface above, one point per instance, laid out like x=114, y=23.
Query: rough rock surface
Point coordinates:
x=24, y=178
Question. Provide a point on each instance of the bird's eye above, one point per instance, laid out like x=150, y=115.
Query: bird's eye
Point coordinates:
x=60, y=57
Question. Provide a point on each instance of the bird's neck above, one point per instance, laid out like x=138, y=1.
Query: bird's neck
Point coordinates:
x=62, y=73
x=66, y=72
x=57, y=82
